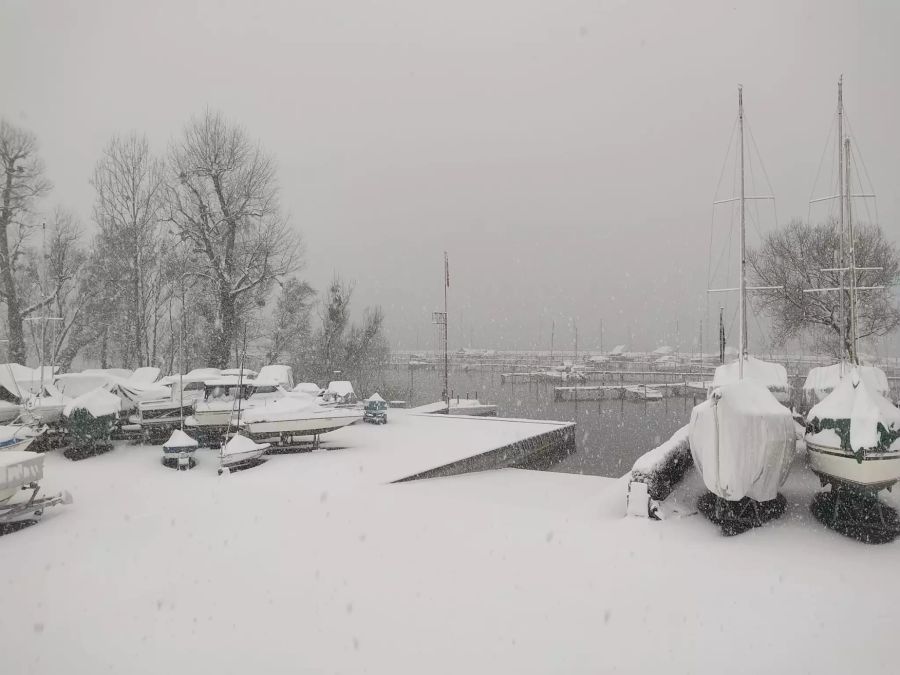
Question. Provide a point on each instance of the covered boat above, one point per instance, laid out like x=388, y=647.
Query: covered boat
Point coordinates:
x=294, y=416
x=742, y=441
x=20, y=471
x=822, y=381
x=178, y=450
x=773, y=376
x=241, y=451
x=853, y=435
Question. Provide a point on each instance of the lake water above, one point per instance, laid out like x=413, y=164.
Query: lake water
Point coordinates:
x=610, y=436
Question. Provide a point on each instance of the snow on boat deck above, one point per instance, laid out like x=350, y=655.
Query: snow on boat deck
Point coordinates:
x=314, y=563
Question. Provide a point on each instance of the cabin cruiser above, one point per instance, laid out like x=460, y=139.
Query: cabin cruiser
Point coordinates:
x=223, y=397
x=286, y=418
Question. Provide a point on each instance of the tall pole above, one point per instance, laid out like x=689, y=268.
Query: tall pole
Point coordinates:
x=601, y=336
x=742, y=348
x=446, y=333
x=845, y=203
x=552, y=335
x=854, y=358
x=181, y=359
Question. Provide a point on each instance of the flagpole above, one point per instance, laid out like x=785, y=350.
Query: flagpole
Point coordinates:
x=446, y=333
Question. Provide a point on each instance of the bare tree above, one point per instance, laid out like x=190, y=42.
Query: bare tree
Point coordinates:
x=23, y=184
x=290, y=330
x=793, y=257
x=129, y=185
x=223, y=200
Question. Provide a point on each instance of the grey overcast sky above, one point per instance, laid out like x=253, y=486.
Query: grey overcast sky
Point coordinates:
x=565, y=153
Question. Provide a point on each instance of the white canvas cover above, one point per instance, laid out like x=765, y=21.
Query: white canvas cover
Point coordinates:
x=180, y=440
x=145, y=375
x=742, y=441
x=773, y=376
x=239, y=444
x=283, y=375
x=853, y=399
x=821, y=381
x=308, y=388
x=98, y=402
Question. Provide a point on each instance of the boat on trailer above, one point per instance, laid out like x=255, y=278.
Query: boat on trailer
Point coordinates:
x=21, y=470
x=240, y=452
x=742, y=438
x=288, y=421
x=853, y=434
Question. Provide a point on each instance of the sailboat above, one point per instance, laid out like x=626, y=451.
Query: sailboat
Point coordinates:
x=742, y=439
x=853, y=434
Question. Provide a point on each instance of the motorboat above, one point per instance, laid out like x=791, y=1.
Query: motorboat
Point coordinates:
x=289, y=417
x=281, y=375
x=16, y=437
x=339, y=392
x=20, y=470
x=224, y=396
x=240, y=451
x=853, y=436
x=47, y=406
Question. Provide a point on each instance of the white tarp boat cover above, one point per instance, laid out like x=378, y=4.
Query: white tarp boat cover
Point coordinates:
x=742, y=441
x=20, y=467
x=283, y=375
x=133, y=393
x=375, y=397
x=308, y=388
x=21, y=380
x=145, y=375
x=239, y=445
x=772, y=376
x=98, y=402
x=180, y=440
x=339, y=388
x=821, y=381
x=246, y=373
x=861, y=418
x=123, y=373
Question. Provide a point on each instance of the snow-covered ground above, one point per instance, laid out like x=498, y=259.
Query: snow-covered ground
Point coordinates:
x=313, y=563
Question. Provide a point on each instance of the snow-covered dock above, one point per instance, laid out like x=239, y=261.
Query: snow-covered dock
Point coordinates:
x=631, y=392
x=459, y=406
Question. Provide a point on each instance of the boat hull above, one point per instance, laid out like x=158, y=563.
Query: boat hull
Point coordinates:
x=875, y=471
x=242, y=457
x=311, y=426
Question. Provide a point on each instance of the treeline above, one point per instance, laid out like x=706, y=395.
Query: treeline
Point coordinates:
x=191, y=254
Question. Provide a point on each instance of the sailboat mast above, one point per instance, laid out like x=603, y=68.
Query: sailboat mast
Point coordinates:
x=854, y=358
x=446, y=333
x=742, y=347
x=844, y=204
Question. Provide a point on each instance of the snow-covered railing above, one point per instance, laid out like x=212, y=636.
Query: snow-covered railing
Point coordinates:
x=656, y=473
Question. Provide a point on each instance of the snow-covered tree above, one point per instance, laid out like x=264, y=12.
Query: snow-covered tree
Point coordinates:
x=793, y=258
x=223, y=201
x=23, y=184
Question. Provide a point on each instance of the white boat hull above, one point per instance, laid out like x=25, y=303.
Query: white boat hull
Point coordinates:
x=876, y=470
x=21, y=444
x=236, y=458
x=302, y=426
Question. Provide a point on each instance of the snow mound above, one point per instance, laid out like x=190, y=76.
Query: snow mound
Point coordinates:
x=742, y=441
x=308, y=388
